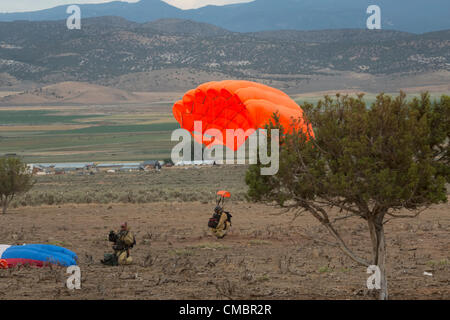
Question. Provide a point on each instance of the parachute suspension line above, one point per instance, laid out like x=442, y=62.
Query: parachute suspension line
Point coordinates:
x=220, y=201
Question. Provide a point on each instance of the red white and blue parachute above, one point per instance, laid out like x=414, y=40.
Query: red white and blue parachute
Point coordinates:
x=38, y=255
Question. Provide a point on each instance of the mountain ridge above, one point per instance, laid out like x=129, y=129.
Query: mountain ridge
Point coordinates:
x=46, y=52
x=414, y=16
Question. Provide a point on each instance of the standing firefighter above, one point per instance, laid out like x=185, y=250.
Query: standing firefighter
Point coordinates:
x=220, y=223
x=123, y=241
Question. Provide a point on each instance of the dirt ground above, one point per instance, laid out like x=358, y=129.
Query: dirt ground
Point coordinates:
x=267, y=256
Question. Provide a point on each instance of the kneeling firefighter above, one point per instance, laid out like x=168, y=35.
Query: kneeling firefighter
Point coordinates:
x=124, y=240
x=220, y=223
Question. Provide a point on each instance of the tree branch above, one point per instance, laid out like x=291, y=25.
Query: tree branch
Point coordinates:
x=405, y=216
x=342, y=245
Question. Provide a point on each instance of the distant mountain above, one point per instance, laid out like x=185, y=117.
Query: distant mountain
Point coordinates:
x=47, y=52
x=416, y=16
x=187, y=27
x=143, y=11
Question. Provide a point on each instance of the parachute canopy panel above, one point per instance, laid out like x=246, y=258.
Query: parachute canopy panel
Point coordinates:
x=235, y=104
x=38, y=255
x=224, y=194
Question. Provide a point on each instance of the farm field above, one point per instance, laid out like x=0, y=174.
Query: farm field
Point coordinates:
x=369, y=98
x=98, y=133
x=81, y=133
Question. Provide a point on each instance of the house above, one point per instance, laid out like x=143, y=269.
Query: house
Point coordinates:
x=168, y=164
x=151, y=165
x=115, y=167
x=73, y=167
x=39, y=168
x=130, y=168
x=107, y=167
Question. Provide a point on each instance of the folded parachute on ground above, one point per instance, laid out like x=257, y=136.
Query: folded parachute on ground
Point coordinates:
x=38, y=255
x=235, y=104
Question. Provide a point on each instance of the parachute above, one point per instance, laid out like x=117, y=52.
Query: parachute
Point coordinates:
x=235, y=104
x=220, y=197
x=38, y=255
x=224, y=194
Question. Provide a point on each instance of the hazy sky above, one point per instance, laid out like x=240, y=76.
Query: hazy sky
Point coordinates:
x=31, y=5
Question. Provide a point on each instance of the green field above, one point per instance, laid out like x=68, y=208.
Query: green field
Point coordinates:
x=38, y=117
x=97, y=133
x=368, y=98
x=94, y=134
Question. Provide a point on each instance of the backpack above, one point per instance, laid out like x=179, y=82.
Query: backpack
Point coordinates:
x=214, y=221
x=110, y=260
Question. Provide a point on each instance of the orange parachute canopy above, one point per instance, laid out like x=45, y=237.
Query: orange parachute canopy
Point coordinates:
x=224, y=194
x=235, y=104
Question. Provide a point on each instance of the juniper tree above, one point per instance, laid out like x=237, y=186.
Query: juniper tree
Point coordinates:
x=368, y=162
x=14, y=180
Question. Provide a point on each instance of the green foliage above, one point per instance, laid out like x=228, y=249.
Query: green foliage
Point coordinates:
x=324, y=269
x=437, y=115
x=391, y=155
x=39, y=117
x=367, y=162
x=14, y=179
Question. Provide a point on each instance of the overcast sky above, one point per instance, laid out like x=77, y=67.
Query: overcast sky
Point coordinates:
x=31, y=5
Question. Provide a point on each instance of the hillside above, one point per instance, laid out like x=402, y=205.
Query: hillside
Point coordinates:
x=71, y=93
x=47, y=52
x=415, y=16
